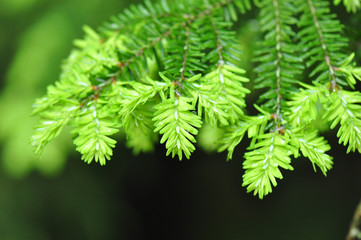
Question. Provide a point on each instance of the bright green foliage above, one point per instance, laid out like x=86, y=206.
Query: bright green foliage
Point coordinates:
x=135, y=111
x=254, y=126
x=304, y=106
x=278, y=70
x=92, y=127
x=313, y=147
x=168, y=67
x=350, y=71
x=177, y=124
x=262, y=163
x=279, y=64
x=227, y=99
x=351, y=5
x=321, y=41
x=49, y=128
x=343, y=107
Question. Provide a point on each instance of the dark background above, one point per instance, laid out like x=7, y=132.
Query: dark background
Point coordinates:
x=149, y=195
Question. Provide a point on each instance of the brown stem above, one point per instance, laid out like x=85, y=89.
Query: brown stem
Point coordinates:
x=355, y=228
x=278, y=62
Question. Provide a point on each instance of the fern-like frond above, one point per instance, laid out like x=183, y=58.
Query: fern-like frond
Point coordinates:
x=92, y=128
x=321, y=40
x=136, y=94
x=185, y=50
x=221, y=95
x=349, y=70
x=254, y=126
x=279, y=64
x=58, y=108
x=165, y=67
x=118, y=65
x=228, y=9
x=263, y=162
x=313, y=147
x=343, y=107
x=140, y=14
x=177, y=123
x=133, y=102
x=51, y=124
x=304, y=104
x=221, y=91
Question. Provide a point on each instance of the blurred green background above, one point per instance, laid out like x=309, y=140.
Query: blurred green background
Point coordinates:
x=60, y=197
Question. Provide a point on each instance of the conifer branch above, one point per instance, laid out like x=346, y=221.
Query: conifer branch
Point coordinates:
x=278, y=66
x=131, y=17
x=313, y=147
x=50, y=127
x=218, y=41
x=322, y=42
x=225, y=103
x=174, y=120
x=185, y=54
x=278, y=116
x=344, y=108
x=324, y=53
x=253, y=126
x=303, y=105
x=140, y=52
x=92, y=127
x=166, y=68
x=263, y=161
